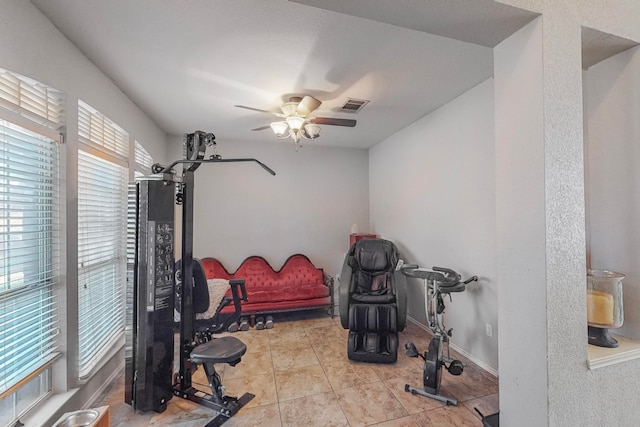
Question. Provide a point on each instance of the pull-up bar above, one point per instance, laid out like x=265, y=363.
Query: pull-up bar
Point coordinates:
x=216, y=159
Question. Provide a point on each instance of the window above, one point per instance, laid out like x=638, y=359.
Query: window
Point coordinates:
x=30, y=99
x=143, y=159
x=102, y=201
x=29, y=241
x=96, y=130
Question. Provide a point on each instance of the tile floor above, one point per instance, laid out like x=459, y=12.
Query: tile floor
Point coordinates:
x=301, y=376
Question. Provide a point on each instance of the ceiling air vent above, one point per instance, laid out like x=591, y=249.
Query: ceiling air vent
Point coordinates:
x=353, y=105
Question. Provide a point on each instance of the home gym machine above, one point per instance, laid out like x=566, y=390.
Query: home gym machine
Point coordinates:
x=437, y=282
x=151, y=287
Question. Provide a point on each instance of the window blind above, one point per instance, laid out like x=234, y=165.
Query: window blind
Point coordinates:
x=143, y=159
x=31, y=99
x=97, y=130
x=102, y=201
x=29, y=253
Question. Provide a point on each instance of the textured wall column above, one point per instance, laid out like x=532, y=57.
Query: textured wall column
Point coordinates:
x=565, y=219
x=576, y=395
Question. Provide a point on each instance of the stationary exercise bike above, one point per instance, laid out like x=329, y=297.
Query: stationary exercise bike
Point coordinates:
x=437, y=282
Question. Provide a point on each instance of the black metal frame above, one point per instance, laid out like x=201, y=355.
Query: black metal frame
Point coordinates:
x=160, y=392
x=195, y=147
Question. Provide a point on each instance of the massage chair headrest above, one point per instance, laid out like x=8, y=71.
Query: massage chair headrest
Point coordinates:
x=374, y=255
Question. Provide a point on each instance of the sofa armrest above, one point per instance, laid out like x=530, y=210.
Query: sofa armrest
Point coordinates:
x=328, y=281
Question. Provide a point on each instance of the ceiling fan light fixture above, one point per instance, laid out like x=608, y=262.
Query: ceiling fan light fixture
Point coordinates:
x=295, y=122
x=280, y=128
x=312, y=131
x=289, y=108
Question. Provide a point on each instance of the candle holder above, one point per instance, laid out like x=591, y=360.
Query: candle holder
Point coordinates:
x=604, y=306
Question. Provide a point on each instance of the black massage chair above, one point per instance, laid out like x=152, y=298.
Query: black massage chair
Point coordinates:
x=373, y=300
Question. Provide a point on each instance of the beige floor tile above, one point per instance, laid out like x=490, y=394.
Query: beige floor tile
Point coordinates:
x=319, y=322
x=288, y=340
x=300, y=382
x=404, y=367
x=251, y=364
x=421, y=340
x=472, y=383
x=183, y=413
x=413, y=403
x=256, y=341
x=422, y=420
x=322, y=340
x=286, y=335
x=123, y=415
x=331, y=353
x=318, y=410
x=199, y=378
x=447, y=416
x=369, y=404
x=487, y=405
x=262, y=386
x=259, y=416
x=293, y=356
x=346, y=374
x=334, y=385
x=398, y=422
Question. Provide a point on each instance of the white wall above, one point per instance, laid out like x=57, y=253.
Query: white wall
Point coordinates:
x=612, y=138
x=32, y=46
x=308, y=207
x=433, y=193
x=520, y=212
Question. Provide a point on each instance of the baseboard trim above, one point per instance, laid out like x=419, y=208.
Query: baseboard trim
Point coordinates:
x=466, y=354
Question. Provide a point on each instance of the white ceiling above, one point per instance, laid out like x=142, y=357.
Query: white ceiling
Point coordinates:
x=186, y=64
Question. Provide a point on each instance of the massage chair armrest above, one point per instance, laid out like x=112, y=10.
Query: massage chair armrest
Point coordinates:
x=345, y=293
x=400, y=281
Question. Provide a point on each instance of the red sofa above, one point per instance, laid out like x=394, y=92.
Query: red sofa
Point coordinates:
x=298, y=285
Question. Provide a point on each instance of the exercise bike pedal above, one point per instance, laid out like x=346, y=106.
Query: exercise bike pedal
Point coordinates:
x=412, y=351
x=455, y=367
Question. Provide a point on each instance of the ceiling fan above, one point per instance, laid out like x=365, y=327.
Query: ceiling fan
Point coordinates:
x=296, y=122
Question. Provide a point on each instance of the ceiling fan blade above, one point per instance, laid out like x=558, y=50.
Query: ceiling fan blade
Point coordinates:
x=256, y=109
x=334, y=122
x=307, y=105
x=262, y=127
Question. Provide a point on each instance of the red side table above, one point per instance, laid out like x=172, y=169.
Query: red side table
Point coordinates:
x=354, y=237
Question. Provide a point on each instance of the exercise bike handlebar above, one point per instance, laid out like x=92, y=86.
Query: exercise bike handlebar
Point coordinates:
x=450, y=276
x=449, y=280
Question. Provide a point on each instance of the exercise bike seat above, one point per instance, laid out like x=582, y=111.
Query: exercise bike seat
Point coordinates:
x=219, y=350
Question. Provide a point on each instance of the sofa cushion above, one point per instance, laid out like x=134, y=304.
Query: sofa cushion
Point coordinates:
x=257, y=273
x=214, y=269
x=298, y=270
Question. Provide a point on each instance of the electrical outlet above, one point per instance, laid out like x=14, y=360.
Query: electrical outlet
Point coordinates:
x=489, y=329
